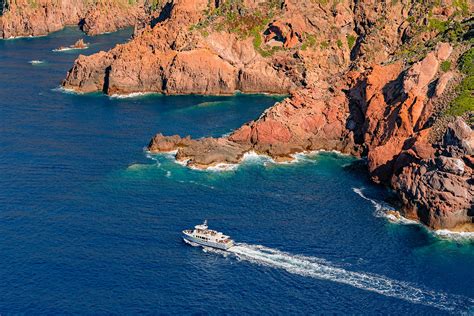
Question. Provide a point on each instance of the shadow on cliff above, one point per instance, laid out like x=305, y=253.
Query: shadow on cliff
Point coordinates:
x=165, y=14
x=359, y=122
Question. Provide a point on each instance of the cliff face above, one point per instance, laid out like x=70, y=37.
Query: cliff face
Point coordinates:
x=40, y=17
x=372, y=78
x=194, y=47
x=384, y=113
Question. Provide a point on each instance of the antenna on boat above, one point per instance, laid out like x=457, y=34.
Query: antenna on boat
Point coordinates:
x=205, y=223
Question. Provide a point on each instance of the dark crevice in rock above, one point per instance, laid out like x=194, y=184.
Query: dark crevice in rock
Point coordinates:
x=165, y=14
x=105, y=88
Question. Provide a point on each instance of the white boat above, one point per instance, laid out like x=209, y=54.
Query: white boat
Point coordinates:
x=203, y=236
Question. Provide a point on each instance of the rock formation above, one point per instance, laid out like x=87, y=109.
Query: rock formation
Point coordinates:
x=40, y=17
x=79, y=44
x=371, y=79
x=186, y=50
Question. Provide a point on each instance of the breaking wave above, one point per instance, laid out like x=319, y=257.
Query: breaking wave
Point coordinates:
x=27, y=36
x=66, y=90
x=386, y=211
x=131, y=95
x=320, y=269
x=36, y=62
x=456, y=236
x=66, y=49
x=249, y=158
x=379, y=206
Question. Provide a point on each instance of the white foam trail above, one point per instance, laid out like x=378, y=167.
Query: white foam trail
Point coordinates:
x=25, y=36
x=131, y=95
x=381, y=211
x=253, y=157
x=66, y=90
x=197, y=183
x=320, y=269
x=384, y=210
x=456, y=236
x=250, y=157
x=36, y=62
x=65, y=49
x=221, y=167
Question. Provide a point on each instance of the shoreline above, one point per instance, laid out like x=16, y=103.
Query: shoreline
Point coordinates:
x=463, y=232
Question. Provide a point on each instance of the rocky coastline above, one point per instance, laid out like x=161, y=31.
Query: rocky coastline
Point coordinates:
x=21, y=18
x=371, y=79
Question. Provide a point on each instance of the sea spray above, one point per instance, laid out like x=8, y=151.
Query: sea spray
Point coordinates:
x=36, y=62
x=67, y=90
x=249, y=158
x=380, y=207
x=455, y=236
x=384, y=210
x=66, y=49
x=133, y=95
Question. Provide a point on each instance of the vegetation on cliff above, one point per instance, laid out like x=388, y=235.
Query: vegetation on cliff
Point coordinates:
x=463, y=104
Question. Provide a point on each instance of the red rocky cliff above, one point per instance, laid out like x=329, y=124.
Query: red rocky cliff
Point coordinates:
x=194, y=47
x=363, y=77
x=40, y=17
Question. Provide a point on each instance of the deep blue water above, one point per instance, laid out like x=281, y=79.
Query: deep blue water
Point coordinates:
x=89, y=223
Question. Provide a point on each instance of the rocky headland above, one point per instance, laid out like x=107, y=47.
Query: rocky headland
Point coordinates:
x=41, y=17
x=391, y=81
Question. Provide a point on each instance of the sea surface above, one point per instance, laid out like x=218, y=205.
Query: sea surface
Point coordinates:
x=90, y=222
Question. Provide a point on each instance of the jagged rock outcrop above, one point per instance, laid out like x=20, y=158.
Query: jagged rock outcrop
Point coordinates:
x=439, y=189
x=40, y=17
x=308, y=120
x=189, y=50
x=382, y=114
x=363, y=77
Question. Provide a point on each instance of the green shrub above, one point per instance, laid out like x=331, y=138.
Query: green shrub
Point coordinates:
x=257, y=38
x=464, y=102
x=339, y=43
x=445, y=66
x=461, y=6
x=310, y=41
x=351, y=39
x=437, y=25
x=466, y=62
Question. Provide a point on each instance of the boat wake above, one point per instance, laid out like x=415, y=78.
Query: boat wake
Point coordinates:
x=320, y=269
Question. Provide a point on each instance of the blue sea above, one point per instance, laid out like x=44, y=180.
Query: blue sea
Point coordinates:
x=90, y=222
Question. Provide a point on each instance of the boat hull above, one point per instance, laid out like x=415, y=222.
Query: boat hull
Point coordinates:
x=203, y=243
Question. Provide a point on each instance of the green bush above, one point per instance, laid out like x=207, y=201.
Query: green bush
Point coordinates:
x=466, y=62
x=351, y=39
x=445, y=66
x=437, y=25
x=339, y=43
x=310, y=41
x=461, y=6
x=464, y=102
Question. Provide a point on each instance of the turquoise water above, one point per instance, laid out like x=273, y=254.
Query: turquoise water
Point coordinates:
x=90, y=223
